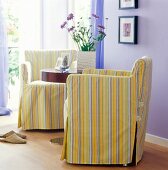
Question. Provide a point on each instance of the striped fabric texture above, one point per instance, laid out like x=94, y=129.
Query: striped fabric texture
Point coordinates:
x=103, y=107
x=145, y=69
x=106, y=72
x=41, y=103
x=41, y=59
x=41, y=106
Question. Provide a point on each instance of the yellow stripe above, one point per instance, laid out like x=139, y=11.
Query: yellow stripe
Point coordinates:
x=94, y=118
x=86, y=119
x=82, y=117
x=61, y=105
x=101, y=118
x=120, y=120
x=105, y=119
x=114, y=125
x=75, y=119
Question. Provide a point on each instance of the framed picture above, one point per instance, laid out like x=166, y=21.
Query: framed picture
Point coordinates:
x=128, y=30
x=63, y=60
x=128, y=4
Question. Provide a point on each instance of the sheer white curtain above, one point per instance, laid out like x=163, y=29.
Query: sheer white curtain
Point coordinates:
x=80, y=9
x=41, y=19
x=3, y=64
x=54, y=13
x=40, y=22
x=29, y=26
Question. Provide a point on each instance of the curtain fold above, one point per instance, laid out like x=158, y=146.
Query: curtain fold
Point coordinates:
x=3, y=65
x=98, y=9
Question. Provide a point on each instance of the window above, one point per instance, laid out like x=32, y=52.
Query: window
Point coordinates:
x=12, y=16
x=80, y=9
x=12, y=23
x=54, y=13
x=35, y=24
x=83, y=9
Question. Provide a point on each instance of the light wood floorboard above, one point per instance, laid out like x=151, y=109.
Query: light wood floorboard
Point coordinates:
x=40, y=154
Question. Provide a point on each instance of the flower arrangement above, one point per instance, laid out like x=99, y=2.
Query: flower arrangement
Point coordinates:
x=83, y=36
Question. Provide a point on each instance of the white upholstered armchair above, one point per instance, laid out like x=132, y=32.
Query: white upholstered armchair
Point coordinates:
x=41, y=103
x=106, y=115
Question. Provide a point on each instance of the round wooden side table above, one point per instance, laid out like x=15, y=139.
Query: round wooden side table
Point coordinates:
x=53, y=75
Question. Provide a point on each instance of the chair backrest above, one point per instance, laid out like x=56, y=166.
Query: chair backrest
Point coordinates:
x=41, y=59
x=106, y=72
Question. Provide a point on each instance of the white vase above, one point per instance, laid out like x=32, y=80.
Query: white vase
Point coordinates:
x=86, y=59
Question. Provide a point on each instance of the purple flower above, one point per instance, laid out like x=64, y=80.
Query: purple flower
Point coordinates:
x=71, y=29
x=70, y=16
x=101, y=27
x=63, y=25
x=95, y=16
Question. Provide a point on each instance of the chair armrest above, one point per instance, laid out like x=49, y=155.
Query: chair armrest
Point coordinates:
x=25, y=72
x=25, y=75
x=107, y=72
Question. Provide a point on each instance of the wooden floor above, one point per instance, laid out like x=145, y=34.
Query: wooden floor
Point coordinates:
x=40, y=154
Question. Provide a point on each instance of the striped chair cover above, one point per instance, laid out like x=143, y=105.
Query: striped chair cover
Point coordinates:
x=144, y=76
x=104, y=109
x=41, y=103
x=107, y=72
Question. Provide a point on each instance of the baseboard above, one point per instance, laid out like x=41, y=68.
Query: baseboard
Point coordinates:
x=156, y=140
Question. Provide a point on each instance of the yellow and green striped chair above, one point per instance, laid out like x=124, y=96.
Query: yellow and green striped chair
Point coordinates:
x=107, y=114
x=41, y=103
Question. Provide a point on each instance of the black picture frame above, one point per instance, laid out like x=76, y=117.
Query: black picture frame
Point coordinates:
x=128, y=30
x=127, y=5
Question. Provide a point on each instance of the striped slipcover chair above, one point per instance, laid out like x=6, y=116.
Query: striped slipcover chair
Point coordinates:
x=41, y=103
x=107, y=114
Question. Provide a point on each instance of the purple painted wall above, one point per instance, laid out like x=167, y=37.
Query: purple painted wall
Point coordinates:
x=153, y=42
